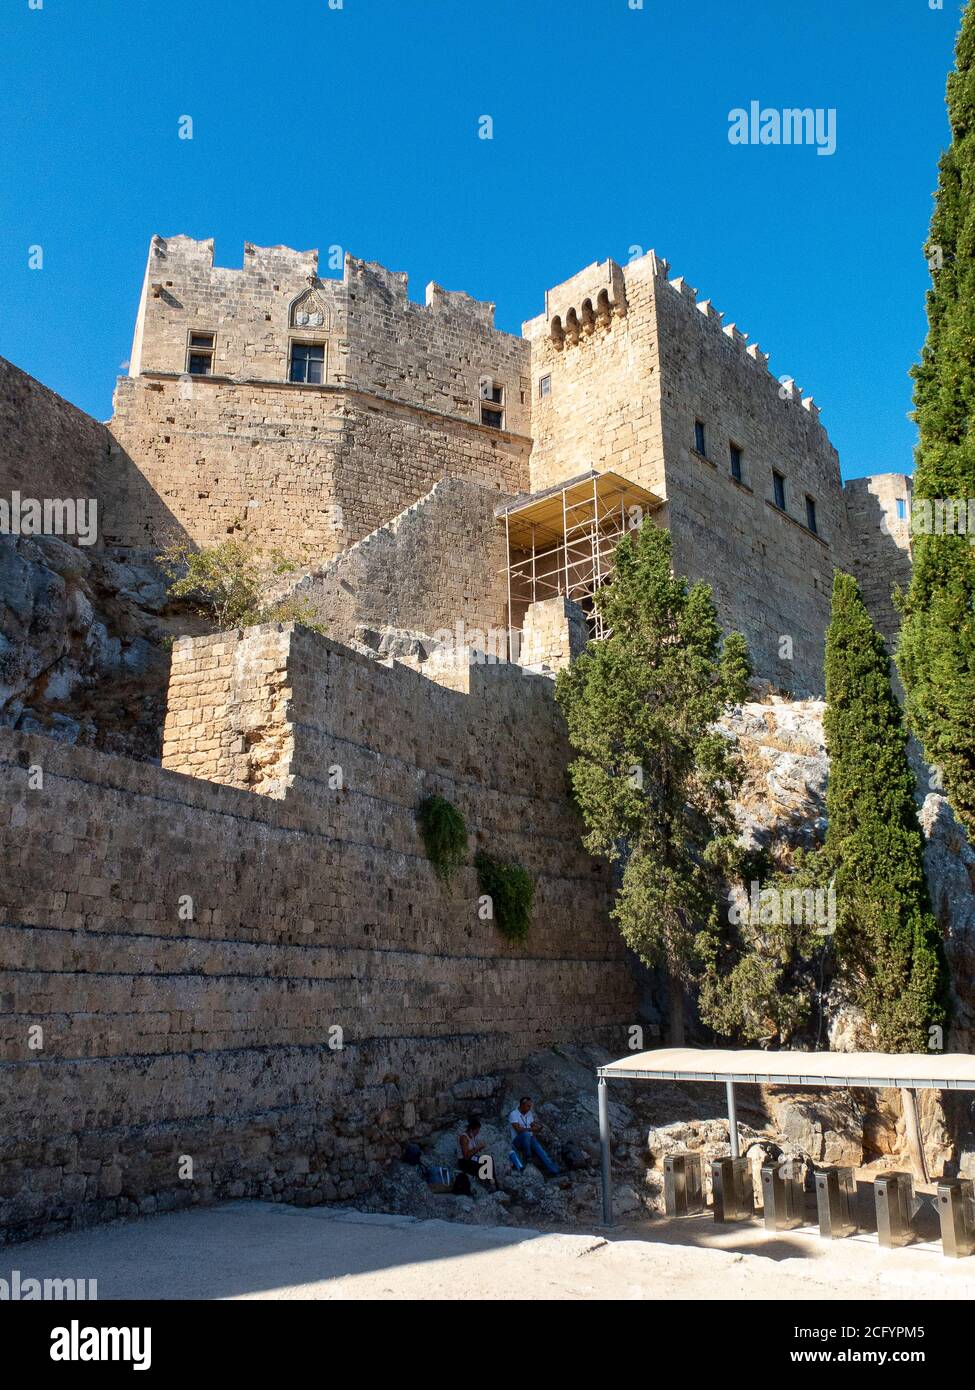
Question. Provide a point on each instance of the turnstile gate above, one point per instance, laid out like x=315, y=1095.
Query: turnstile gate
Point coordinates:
x=732, y=1192
x=956, y=1210
x=894, y=1197
x=683, y=1184
x=836, y=1191
x=783, y=1196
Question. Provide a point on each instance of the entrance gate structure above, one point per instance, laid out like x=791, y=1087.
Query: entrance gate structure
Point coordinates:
x=906, y=1072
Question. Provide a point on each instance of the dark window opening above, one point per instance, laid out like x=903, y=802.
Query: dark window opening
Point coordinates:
x=778, y=489
x=492, y=417
x=199, y=361
x=736, y=463
x=307, y=363
x=811, y=515
x=700, y=443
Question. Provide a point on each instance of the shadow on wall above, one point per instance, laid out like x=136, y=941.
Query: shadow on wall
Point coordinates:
x=84, y=623
x=51, y=450
x=879, y=559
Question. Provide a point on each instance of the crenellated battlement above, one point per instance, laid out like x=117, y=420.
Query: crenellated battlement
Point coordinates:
x=789, y=391
x=175, y=253
x=271, y=402
x=573, y=310
x=597, y=295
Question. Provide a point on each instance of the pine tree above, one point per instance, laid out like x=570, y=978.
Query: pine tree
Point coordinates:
x=887, y=939
x=654, y=780
x=936, y=651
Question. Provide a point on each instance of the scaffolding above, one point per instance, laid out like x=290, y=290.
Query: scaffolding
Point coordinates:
x=562, y=541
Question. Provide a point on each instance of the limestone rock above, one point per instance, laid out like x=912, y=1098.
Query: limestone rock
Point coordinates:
x=949, y=861
x=83, y=655
x=782, y=746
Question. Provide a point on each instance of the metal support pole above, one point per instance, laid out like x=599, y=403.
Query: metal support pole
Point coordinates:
x=565, y=545
x=603, y=1097
x=507, y=547
x=732, y=1120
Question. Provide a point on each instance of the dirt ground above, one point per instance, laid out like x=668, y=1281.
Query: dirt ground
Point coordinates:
x=260, y=1250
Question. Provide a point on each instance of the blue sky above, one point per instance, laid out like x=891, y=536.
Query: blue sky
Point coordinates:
x=358, y=127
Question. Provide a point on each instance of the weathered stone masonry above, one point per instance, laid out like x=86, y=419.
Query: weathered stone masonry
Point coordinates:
x=311, y=907
x=186, y=937
x=310, y=469
x=626, y=363
x=620, y=372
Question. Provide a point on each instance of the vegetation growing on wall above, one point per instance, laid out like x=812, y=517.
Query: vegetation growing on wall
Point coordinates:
x=444, y=834
x=936, y=652
x=887, y=939
x=227, y=584
x=512, y=894
x=654, y=779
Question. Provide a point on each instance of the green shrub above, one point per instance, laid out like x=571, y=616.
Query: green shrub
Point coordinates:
x=226, y=583
x=511, y=891
x=444, y=834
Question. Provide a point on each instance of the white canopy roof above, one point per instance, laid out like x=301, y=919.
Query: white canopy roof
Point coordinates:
x=944, y=1071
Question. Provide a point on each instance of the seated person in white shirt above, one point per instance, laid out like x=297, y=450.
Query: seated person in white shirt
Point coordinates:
x=522, y=1122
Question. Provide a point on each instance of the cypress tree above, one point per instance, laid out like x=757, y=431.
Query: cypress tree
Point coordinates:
x=653, y=779
x=936, y=651
x=887, y=939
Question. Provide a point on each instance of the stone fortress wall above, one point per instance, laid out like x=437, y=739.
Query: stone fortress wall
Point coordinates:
x=879, y=509
x=625, y=363
x=436, y=568
x=45, y=443
x=187, y=947
x=187, y=936
x=617, y=373
x=310, y=469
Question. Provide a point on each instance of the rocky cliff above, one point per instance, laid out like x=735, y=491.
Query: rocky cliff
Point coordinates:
x=84, y=636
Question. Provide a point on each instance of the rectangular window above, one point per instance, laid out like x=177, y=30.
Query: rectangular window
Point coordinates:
x=902, y=509
x=199, y=356
x=778, y=490
x=700, y=443
x=811, y=516
x=736, y=463
x=544, y=386
x=307, y=363
x=492, y=405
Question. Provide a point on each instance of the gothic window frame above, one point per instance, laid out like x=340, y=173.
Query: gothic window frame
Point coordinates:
x=310, y=294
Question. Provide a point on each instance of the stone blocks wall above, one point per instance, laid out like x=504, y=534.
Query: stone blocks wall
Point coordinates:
x=625, y=389
x=310, y=469
x=47, y=447
x=554, y=631
x=880, y=543
x=437, y=567
x=771, y=575
x=600, y=358
x=188, y=947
